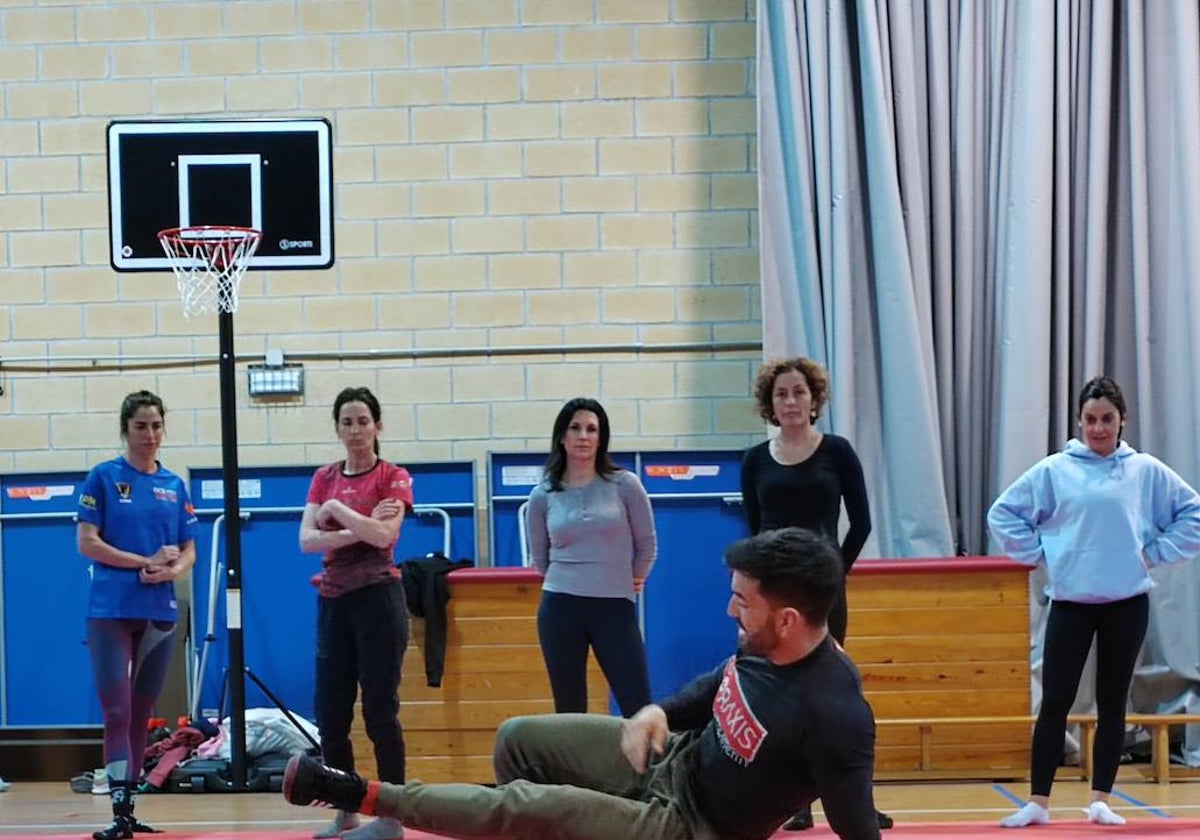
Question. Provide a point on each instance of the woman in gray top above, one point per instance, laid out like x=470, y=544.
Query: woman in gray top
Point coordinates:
x=591, y=535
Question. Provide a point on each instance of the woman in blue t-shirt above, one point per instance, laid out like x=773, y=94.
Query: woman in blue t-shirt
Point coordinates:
x=137, y=526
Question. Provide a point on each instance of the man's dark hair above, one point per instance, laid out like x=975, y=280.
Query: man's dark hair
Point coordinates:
x=794, y=567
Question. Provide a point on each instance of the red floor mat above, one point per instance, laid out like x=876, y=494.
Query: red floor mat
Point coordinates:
x=1057, y=830
x=1140, y=829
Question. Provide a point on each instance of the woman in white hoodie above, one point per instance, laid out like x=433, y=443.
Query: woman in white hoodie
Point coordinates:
x=1099, y=515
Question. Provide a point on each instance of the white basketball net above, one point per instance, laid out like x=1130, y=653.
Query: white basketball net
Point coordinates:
x=209, y=263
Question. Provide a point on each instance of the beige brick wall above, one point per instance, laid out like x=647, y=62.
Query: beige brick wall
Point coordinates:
x=542, y=174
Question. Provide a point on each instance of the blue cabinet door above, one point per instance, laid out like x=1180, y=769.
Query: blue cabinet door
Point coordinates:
x=697, y=513
x=47, y=669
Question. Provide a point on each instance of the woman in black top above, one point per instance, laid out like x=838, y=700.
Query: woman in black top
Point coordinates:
x=802, y=476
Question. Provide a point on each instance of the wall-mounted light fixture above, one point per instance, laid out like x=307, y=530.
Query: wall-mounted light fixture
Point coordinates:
x=276, y=378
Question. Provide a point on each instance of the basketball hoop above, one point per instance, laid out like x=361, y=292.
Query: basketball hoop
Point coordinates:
x=209, y=262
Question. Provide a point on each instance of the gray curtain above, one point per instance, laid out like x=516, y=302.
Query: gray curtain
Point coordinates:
x=967, y=208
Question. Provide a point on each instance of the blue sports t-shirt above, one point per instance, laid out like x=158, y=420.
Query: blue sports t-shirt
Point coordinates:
x=139, y=513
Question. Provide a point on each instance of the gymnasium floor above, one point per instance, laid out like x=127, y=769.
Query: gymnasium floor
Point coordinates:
x=928, y=810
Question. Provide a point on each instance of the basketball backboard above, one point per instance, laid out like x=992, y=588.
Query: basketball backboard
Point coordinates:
x=272, y=175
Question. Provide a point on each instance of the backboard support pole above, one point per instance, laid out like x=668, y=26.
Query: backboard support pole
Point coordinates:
x=233, y=553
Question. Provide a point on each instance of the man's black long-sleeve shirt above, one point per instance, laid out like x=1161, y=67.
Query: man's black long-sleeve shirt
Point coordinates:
x=772, y=738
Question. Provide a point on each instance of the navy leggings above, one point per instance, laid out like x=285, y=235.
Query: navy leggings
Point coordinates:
x=361, y=637
x=1119, y=628
x=568, y=625
x=129, y=663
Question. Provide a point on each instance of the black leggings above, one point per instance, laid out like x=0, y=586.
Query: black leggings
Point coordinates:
x=1119, y=628
x=361, y=637
x=568, y=625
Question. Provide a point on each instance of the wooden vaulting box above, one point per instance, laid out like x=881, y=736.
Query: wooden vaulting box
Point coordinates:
x=494, y=670
x=944, y=638
x=939, y=638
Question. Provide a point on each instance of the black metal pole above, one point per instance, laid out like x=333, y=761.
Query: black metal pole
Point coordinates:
x=233, y=556
x=286, y=711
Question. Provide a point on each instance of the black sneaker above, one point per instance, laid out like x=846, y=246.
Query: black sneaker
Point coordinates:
x=121, y=828
x=802, y=820
x=307, y=781
x=884, y=820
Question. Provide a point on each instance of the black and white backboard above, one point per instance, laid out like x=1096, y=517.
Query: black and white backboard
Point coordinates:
x=272, y=175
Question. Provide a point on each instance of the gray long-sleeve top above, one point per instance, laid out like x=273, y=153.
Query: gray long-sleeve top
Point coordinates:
x=595, y=539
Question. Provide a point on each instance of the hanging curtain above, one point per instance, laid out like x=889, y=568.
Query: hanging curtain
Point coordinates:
x=966, y=209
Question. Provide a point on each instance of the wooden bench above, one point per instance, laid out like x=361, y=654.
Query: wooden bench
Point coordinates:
x=1160, y=741
x=1159, y=726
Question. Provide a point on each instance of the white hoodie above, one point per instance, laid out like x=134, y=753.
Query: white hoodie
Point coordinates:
x=1098, y=522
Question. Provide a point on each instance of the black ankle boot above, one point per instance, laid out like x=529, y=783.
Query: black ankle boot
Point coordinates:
x=140, y=827
x=121, y=828
x=308, y=782
x=137, y=825
x=130, y=801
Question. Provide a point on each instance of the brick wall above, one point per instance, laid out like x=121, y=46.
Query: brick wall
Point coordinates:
x=508, y=173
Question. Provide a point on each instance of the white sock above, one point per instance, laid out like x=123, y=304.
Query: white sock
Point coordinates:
x=1030, y=814
x=382, y=828
x=1100, y=814
x=342, y=821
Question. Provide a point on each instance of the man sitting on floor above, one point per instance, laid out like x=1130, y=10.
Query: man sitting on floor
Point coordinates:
x=731, y=756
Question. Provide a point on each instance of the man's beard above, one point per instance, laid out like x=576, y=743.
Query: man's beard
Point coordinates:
x=756, y=644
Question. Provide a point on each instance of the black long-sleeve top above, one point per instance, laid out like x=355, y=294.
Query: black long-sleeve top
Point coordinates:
x=808, y=494
x=772, y=738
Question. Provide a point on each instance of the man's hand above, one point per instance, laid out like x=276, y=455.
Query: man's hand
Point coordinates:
x=645, y=731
